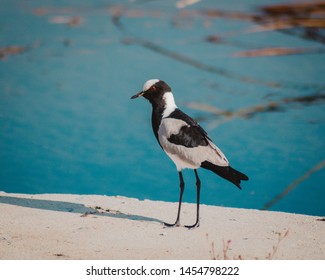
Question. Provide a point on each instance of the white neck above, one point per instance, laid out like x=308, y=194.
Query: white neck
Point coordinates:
x=170, y=104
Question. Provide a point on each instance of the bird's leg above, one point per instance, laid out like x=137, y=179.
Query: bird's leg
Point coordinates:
x=181, y=185
x=198, y=187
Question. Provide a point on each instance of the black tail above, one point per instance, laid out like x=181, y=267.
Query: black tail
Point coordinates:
x=226, y=172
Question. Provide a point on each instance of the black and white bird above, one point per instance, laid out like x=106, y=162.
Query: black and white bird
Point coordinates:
x=184, y=141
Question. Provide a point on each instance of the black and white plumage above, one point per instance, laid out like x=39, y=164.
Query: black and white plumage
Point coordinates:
x=184, y=141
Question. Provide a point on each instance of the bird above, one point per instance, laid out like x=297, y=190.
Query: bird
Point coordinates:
x=185, y=142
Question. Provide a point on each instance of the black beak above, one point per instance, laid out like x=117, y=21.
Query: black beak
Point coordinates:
x=138, y=95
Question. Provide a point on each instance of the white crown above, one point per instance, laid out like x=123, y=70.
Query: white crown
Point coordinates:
x=148, y=84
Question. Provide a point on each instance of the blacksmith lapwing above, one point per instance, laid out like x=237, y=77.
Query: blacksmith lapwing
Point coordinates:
x=184, y=141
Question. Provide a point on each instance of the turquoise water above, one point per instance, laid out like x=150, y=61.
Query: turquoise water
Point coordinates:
x=67, y=124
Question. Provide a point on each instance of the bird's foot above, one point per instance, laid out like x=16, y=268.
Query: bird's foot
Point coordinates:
x=176, y=224
x=197, y=224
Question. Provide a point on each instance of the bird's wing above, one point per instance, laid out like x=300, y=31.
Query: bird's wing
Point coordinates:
x=191, y=134
x=180, y=135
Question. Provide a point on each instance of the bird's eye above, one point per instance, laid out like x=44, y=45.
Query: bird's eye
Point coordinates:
x=153, y=88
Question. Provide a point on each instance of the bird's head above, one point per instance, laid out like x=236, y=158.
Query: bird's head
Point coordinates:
x=154, y=90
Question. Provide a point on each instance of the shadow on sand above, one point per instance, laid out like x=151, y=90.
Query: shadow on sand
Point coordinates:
x=71, y=207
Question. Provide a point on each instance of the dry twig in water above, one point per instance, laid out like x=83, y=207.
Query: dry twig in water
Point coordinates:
x=294, y=184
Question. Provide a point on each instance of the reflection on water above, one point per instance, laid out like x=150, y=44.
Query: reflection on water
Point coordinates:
x=251, y=74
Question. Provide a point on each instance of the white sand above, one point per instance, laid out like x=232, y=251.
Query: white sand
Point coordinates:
x=54, y=226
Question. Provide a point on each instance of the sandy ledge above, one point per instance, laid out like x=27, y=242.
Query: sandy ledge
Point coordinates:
x=60, y=226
